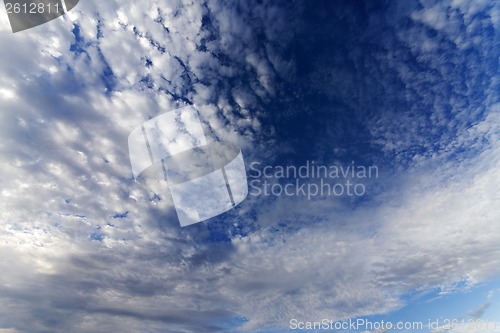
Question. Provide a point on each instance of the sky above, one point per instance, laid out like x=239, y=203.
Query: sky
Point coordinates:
x=409, y=88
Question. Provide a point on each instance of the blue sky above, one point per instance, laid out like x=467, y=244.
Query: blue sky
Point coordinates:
x=411, y=87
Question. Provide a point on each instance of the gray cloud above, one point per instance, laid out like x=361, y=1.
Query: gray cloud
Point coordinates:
x=71, y=263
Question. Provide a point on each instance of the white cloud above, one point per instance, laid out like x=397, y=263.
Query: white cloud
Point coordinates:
x=66, y=177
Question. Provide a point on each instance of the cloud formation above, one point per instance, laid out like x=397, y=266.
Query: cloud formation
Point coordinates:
x=84, y=248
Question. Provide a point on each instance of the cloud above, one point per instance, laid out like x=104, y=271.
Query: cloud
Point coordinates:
x=73, y=92
x=480, y=311
x=87, y=249
x=442, y=100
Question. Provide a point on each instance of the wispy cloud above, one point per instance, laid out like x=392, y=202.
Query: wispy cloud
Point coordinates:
x=72, y=95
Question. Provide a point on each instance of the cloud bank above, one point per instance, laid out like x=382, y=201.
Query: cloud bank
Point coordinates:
x=84, y=248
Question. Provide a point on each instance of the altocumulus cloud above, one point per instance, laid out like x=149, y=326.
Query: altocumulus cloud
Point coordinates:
x=85, y=249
